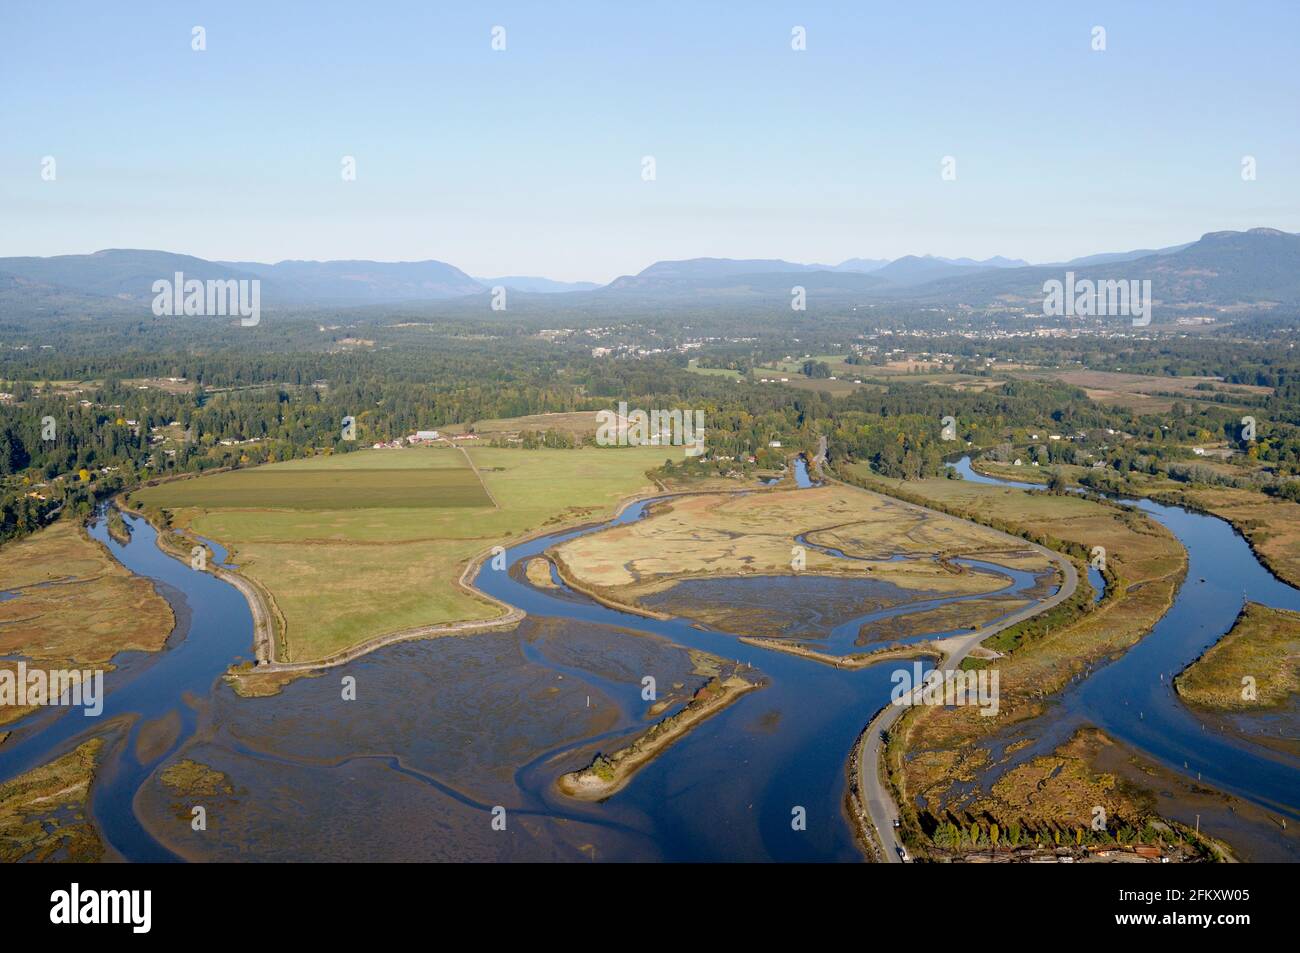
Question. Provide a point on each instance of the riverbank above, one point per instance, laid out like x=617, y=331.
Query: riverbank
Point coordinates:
x=1146, y=562
x=609, y=774
x=1255, y=666
x=1270, y=526
x=1126, y=693
x=73, y=606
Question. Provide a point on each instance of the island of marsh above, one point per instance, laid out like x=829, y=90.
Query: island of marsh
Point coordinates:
x=1256, y=665
x=688, y=540
x=73, y=604
x=388, y=534
x=44, y=812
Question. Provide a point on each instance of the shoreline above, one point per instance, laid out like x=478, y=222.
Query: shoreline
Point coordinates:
x=872, y=806
x=1170, y=496
x=924, y=649
x=622, y=765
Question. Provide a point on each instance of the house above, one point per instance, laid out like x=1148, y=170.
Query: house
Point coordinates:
x=424, y=436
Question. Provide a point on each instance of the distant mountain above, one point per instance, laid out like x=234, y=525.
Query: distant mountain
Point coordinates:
x=717, y=268
x=537, y=285
x=1110, y=257
x=1255, y=267
x=1258, y=266
x=861, y=265
x=1262, y=264
x=127, y=275
x=997, y=261
x=914, y=270
x=715, y=278
x=361, y=281
x=121, y=273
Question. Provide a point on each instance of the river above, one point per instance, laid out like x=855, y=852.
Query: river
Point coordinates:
x=725, y=792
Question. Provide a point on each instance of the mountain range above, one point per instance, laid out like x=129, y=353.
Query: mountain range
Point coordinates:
x=1258, y=266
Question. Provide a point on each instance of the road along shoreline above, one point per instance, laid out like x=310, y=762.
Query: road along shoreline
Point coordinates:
x=869, y=799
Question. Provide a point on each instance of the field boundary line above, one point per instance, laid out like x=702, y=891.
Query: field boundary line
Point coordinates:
x=478, y=476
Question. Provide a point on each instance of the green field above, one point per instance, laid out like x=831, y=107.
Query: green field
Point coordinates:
x=344, y=574
x=694, y=368
x=325, y=488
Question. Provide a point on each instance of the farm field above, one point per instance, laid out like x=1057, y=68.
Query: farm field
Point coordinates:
x=1145, y=393
x=413, y=478
x=578, y=423
x=694, y=368
x=342, y=572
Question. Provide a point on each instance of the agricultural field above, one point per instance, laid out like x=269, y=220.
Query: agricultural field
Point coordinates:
x=409, y=478
x=579, y=423
x=348, y=569
x=712, y=535
x=853, y=377
x=694, y=368
x=1146, y=393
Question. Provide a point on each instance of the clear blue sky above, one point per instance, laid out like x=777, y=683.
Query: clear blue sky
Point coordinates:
x=528, y=161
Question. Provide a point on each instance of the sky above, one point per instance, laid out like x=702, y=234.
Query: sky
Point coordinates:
x=528, y=160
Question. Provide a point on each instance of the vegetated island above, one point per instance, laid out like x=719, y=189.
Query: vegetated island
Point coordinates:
x=925, y=649
x=75, y=606
x=1256, y=665
x=609, y=774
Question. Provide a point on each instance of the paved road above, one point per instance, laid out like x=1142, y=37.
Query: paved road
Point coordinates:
x=879, y=804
